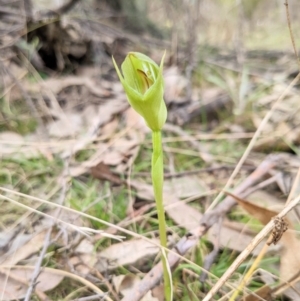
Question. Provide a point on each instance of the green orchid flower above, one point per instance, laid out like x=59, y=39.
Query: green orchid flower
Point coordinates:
x=144, y=86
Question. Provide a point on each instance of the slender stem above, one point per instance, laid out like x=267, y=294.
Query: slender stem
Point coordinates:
x=157, y=180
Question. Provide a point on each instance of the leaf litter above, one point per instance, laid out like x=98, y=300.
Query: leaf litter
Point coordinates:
x=94, y=116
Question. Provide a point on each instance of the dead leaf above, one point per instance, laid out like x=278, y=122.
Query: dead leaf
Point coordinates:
x=56, y=85
x=125, y=284
x=144, y=191
x=125, y=253
x=264, y=215
x=122, y=283
x=263, y=293
x=234, y=239
x=105, y=113
x=15, y=285
x=267, y=200
x=110, y=128
x=69, y=126
x=23, y=248
x=183, y=214
x=14, y=145
x=186, y=186
x=85, y=246
x=158, y=292
x=102, y=172
x=290, y=262
x=83, y=263
x=175, y=84
x=136, y=121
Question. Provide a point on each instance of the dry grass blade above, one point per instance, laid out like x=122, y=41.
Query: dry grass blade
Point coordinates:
x=122, y=230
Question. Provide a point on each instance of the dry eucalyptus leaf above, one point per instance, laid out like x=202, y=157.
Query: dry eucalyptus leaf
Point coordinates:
x=110, y=128
x=125, y=284
x=263, y=293
x=266, y=200
x=127, y=252
x=234, y=239
x=158, y=292
x=16, y=285
x=14, y=145
x=112, y=158
x=144, y=191
x=290, y=262
x=264, y=215
x=183, y=214
x=119, y=151
x=175, y=84
x=188, y=217
x=102, y=172
x=83, y=263
x=21, y=249
x=136, y=121
x=66, y=127
x=185, y=187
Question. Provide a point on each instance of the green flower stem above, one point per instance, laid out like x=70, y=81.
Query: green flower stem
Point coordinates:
x=157, y=180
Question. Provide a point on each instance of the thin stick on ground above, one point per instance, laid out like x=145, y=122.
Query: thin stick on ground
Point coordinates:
x=47, y=241
x=37, y=269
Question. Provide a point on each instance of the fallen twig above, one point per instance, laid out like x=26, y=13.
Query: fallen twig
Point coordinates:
x=37, y=269
x=47, y=240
